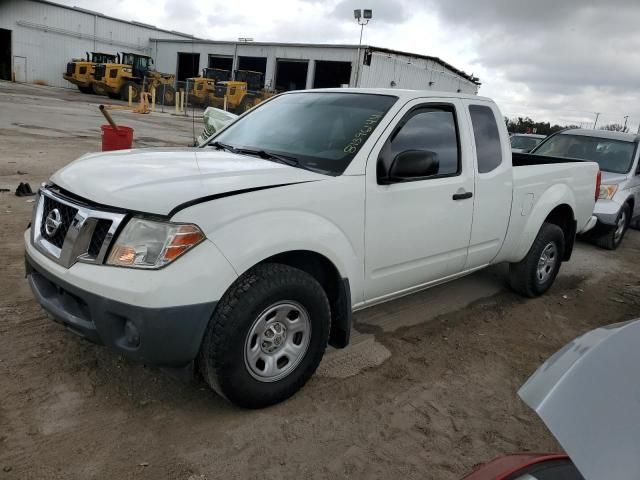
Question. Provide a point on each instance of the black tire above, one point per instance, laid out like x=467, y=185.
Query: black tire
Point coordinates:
x=135, y=92
x=113, y=96
x=635, y=224
x=613, y=238
x=524, y=276
x=165, y=95
x=222, y=359
x=245, y=104
x=85, y=89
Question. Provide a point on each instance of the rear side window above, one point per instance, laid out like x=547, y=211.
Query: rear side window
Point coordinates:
x=432, y=129
x=487, y=137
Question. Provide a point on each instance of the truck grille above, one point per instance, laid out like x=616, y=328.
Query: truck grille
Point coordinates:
x=71, y=68
x=221, y=90
x=70, y=231
x=99, y=71
x=66, y=214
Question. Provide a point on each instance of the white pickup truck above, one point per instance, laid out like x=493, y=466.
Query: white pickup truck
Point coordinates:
x=247, y=255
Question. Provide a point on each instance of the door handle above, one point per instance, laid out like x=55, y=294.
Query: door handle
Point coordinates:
x=462, y=196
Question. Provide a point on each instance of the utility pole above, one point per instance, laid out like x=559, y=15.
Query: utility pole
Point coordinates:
x=626, y=117
x=596, y=122
x=362, y=17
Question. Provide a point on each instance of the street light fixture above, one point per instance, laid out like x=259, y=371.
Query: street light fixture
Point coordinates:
x=362, y=17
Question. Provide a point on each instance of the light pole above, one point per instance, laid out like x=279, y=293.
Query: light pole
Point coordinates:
x=596, y=122
x=362, y=17
x=235, y=55
x=626, y=118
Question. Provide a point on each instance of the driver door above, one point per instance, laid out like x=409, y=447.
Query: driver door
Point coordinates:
x=417, y=229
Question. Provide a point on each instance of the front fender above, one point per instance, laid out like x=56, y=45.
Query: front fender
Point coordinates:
x=524, y=233
x=249, y=240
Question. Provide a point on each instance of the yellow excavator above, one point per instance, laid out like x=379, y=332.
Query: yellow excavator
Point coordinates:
x=81, y=71
x=241, y=94
x=135, y=71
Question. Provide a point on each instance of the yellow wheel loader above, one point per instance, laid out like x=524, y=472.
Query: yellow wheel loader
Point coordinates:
x=81, y=71
x=134, y=71
x=241, y=94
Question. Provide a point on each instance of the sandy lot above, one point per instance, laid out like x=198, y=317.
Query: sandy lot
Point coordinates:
x=427, y=390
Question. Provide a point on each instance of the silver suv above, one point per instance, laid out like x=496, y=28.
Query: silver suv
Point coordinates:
x=618, y=204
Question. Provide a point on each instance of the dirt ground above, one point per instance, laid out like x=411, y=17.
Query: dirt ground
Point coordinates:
x=426, y=391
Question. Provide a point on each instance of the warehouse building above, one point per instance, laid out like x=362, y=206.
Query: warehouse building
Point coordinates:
x=293, y=66
x=39, y=37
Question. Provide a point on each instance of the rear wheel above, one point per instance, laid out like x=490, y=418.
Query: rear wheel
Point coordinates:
x=536, y=272
x=613, y=238
x=135, y=92
x=266, y=337
x=165, y=95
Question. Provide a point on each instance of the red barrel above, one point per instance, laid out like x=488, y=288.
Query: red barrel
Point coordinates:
x=112, y=139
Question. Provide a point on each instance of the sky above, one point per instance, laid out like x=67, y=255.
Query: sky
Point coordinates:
x=553, y=60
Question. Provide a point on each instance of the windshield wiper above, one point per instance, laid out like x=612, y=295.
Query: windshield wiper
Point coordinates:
x=223, y=146
x=291, y=161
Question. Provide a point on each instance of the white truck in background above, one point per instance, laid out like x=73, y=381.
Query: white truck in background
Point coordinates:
x=247, y=255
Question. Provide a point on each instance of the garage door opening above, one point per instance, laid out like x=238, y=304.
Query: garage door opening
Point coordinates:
x=331, y=74
x=253, y=64
x=222, y=62
x=5, y=54
x=291, y=75
x=188, y=65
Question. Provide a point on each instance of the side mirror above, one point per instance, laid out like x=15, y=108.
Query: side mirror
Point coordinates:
x=411, y=165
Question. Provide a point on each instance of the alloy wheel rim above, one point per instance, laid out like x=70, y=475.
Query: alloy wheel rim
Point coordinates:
x=620, y=225
x=277, y=341
x=547, y=262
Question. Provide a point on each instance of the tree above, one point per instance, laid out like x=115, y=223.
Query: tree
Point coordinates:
x=615, y=127
x=528, y=125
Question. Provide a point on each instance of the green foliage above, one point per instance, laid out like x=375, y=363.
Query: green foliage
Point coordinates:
x=527, y=125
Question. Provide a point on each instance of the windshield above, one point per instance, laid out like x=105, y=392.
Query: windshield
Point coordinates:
x=321, y=131
x=614, y=156
x=524, y=143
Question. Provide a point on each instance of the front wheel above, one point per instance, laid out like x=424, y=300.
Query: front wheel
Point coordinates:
x=535, y=273
x=135, y=92
x=266, y=337
x=613, y=238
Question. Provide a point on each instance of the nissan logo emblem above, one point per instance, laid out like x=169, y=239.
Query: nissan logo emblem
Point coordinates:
x=52, y=222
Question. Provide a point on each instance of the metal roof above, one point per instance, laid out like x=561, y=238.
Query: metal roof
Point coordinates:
x=587, y=132
x=99, y=14
x=369, y=48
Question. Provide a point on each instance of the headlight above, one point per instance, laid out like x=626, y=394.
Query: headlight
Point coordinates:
x=152, y=244
x=607, y=191
x=127, y=70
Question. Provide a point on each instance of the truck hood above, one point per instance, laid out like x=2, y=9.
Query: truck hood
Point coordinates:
x=588, y=395
x=156, y=180
x=609, y=178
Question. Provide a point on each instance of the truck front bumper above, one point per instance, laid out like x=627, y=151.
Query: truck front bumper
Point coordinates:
x=607, y=212
x=165, y=336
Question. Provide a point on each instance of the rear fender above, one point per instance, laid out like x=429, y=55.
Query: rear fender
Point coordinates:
x=554, y=196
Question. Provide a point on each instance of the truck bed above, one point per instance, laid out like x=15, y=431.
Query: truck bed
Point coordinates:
x=526, y=159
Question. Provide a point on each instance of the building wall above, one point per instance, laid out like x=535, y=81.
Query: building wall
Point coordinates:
x=48, y=36
x=399, y=71
x=386, y=69
x=166, y=55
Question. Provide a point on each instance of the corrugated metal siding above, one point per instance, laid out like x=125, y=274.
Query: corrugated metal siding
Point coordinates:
x=389, y=70
x=49, y=36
